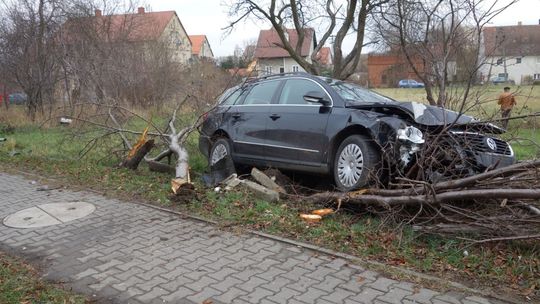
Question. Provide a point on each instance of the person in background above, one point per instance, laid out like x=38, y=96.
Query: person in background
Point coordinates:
x=507, y=101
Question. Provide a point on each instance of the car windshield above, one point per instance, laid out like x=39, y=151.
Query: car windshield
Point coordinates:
x=355, y=93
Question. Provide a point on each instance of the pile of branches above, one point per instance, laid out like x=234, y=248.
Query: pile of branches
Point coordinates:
x=501, y=204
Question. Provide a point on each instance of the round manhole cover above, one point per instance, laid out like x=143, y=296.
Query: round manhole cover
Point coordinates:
x=48, y=215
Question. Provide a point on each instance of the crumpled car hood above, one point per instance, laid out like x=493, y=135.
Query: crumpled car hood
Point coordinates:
x=427, y=115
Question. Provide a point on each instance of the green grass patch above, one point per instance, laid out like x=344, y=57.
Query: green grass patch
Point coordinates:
x=19, y=283
x=525, y=142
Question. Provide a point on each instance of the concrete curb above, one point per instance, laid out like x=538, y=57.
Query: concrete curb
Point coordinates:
x=348, y=257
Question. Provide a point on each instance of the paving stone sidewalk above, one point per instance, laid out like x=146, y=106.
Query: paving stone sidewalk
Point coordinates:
x=130, y=253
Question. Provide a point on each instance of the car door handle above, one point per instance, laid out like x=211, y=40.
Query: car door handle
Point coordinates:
x=236, y=116
x=274, y=116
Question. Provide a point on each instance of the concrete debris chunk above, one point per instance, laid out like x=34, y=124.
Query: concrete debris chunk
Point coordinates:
x=266, y=181
x=261, y=191
x=231, y=181
x=258, y=190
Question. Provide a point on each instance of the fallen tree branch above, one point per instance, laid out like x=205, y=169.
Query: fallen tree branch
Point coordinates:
x=509, y=238
x=462, y=182
x=435, y=199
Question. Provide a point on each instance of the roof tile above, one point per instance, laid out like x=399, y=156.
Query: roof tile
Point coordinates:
x=128, y=27
x=516, y=40
x=270, y=46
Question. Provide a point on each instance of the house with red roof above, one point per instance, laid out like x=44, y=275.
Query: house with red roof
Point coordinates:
x=273, y=58
x=511, y=53
x=200, y=47
x=141, y=28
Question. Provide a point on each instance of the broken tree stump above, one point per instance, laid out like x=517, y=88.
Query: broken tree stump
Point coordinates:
x=136, y=156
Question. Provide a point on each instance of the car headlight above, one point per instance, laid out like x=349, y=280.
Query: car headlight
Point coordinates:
x=411, y=134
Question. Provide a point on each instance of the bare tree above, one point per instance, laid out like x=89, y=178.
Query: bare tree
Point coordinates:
x=335, y=19
x=107, y=59
x=248, y=50
x=433, y=35
x=27, y=30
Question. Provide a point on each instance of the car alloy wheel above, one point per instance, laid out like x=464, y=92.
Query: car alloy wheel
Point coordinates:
x=220, y=150
x=356, y=163
x=350, y=165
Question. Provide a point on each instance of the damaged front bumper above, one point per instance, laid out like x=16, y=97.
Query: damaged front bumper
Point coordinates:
x=493, y=160
x=473, y=152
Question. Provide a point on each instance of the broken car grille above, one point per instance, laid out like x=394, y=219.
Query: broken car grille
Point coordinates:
x=481, y=143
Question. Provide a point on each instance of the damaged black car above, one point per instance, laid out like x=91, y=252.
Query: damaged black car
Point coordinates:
x=310, y=124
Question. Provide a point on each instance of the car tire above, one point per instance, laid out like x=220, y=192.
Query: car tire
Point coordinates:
x=356, y=163
x=220, y=149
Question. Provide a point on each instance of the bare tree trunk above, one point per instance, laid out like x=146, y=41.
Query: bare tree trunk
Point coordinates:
x=5, y=97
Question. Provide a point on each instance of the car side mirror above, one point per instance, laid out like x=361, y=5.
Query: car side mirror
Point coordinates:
x=317, y=97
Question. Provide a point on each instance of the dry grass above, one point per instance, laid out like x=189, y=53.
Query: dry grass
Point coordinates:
x=528, y=98
x=14, y=116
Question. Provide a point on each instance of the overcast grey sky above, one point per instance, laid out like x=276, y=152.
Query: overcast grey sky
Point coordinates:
x=208, y=17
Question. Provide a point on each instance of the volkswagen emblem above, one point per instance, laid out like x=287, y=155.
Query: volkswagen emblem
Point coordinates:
x=491, y=144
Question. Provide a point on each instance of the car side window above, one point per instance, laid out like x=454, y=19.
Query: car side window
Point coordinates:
x=261, y=93
x=294, y=90
x=233, y=97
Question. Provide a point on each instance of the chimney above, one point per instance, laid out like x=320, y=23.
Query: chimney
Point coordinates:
x=140, y=10
x=98, y=13
x=520, y=23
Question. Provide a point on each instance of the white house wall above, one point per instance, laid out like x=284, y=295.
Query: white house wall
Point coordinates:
x=288, y=65
x=206, y=51
x=529, y=66
x=178, y=40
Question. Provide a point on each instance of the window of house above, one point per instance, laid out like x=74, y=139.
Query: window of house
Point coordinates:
x=518, y=60
x=268, y=69
x=499, y=61
x=536, y=77
x=294, y=90
x=295, y=68
x=282, y=70
x=262, y=93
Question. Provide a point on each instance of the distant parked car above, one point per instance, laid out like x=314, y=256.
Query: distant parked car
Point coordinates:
x=410, y=83
x=17, y=98
x=501, y=80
